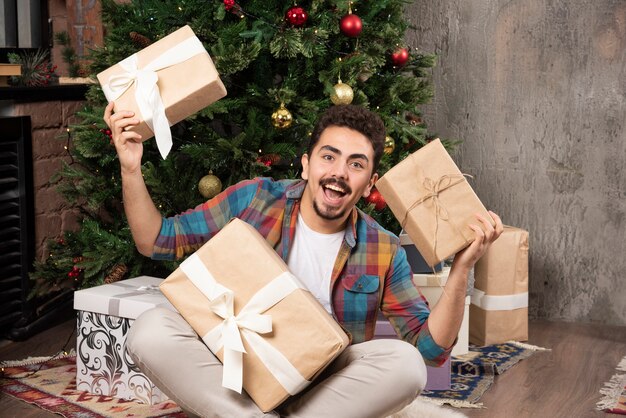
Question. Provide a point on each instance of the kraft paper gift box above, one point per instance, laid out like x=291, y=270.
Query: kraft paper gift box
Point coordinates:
x=105, y=314
x=432, y=287
x=163, y=84
x=237, y=293
x=499, y=309
x=437, y=378
x=433, y=202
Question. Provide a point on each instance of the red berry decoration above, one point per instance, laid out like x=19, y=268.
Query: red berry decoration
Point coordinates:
x=376, y=199
x=229, y=4
x=351, y=25
x=400, y=57
x=296, y=16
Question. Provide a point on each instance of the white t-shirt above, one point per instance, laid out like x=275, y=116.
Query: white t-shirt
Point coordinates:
x=312, y=258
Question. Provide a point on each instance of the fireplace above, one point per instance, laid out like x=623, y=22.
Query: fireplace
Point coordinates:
x=16, y=220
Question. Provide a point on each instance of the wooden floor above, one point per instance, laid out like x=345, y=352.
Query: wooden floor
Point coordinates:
x=563, y=382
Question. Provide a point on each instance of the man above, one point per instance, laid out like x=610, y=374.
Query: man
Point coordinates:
x=352, y=265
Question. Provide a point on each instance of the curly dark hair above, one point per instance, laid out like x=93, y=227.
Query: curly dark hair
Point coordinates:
x=354, y=117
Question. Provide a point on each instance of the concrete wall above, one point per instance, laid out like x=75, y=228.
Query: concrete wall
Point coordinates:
x=536, y=89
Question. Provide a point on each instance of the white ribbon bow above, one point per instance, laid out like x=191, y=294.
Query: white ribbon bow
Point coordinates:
x=147, y=94
x=248, y=323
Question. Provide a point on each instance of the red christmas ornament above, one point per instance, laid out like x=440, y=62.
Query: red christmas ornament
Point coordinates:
x=376, y=199
x=296, y=16
x=229, y=4
x=351, y=25
x=400, y=57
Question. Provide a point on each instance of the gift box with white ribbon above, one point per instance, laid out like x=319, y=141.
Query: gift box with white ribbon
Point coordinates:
x=499, y=308
x=163, y=84
x=105, y=314
x=272, y=336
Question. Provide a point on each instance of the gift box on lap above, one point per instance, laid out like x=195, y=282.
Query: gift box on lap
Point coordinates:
x=163, y=84
x=499, y=308
x=105, y=314
x=433, y=202
x=236, y=279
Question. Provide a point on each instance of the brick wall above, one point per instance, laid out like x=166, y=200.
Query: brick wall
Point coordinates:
x=49, y=122
x=81, y=20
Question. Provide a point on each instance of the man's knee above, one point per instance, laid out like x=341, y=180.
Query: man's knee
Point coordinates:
x=145, y=331
x=411, y=369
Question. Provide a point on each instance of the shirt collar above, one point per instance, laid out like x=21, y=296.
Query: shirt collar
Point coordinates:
x=295, y=191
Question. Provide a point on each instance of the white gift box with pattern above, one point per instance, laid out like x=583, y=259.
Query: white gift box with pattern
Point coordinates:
x=105, y=314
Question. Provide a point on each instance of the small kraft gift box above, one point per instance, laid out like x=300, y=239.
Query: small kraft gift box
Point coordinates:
x=105, y=314
x=271, y=335
x=499, y=308
x=433, y=202
x=163, y=84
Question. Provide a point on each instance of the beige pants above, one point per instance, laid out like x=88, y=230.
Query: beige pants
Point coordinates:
x=370, y=379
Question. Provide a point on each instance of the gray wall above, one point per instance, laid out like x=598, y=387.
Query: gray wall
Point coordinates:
x=536, y=90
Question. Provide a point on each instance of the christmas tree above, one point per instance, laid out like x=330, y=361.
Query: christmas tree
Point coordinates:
x=282, y=64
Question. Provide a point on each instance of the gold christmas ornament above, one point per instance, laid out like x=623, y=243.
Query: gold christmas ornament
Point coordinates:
x=209, y=186
x=282, y=118
x=390, y=145
x=342, y=94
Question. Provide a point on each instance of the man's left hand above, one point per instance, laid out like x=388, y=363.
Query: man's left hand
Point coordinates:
x=484, y=235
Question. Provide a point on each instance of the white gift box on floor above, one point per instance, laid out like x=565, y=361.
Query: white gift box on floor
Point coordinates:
x=105, y=314
x=431, y=286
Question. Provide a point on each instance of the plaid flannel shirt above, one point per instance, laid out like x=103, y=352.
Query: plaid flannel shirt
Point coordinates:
x=371, y=272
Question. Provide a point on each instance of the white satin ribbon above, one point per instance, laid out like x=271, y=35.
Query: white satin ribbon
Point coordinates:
x=147, y=92
x=248, y=323
x=499, y=303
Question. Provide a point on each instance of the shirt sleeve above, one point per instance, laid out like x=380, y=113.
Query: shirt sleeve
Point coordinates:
x=185, y=233
x=407, y=310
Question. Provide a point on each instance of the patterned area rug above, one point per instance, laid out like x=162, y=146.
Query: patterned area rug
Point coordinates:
x=614, y=391
x=51, y=385
x=474, y=373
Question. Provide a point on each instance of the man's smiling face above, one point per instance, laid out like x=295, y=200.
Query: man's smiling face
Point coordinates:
x=338, y=174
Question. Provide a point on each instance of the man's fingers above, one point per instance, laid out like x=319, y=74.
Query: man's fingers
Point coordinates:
x=108, y=111
x=129, y=136
x=499, y=225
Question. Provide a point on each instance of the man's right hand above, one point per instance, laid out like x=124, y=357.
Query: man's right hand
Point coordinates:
x=127, y=143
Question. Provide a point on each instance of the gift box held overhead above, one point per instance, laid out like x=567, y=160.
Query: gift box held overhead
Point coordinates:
x=499, y=308
x=105, y=314
x=163, y=84
x=272, y=336
x=433, y=202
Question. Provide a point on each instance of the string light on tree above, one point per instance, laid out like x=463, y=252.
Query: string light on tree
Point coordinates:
x=342, y=93
x=351, y=25
x=282, y=118
x=296, y=16
x=209, y=186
